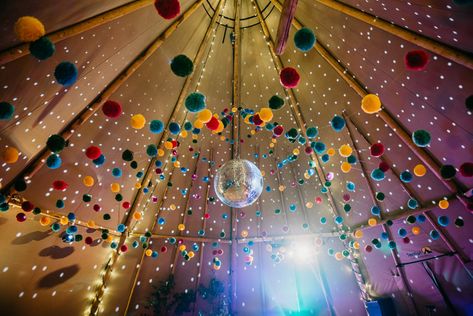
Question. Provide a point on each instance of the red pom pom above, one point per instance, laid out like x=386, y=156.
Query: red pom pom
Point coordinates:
x=164, y=249
x=384, y=167
x=124, y=248
x=88, y=240
x=21, y=217
x=466, y=169
x=112, y=109
x=257, y=120
x=377, y=150
x=406, y=240
x=27, y=206
x=126, y=205
x=207, y=216
x=278, y=130
x=308, y=150
x=97, y=207
x=212, y=124
x=60, y=185
x=168, y=9
x=289, y=77
x=416, y=60
x=368, y=248
x=93, y=152
x=158, y=171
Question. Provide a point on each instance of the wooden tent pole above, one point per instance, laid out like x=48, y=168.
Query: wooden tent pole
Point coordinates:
x=20, y=50
x=236, y=99
x=459, y=254
x=184, y=218
x=426, y=157
x=444, y=50
x=298, y=116
x=38, y=161
x=371, y=189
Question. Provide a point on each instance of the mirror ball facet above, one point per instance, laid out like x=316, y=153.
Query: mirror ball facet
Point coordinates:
x=238, y=183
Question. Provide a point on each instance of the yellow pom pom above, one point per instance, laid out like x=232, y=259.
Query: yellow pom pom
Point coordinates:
x=345, y=150
x=252, y=132
x=265, y=114
x=137, y=185
x=91, y=224
x=168, y=145
x=45, y=221
x=371, y=104
x=372, y=222
x=160, y=152
x=204, y=116
x=216, y=267
x=182, y=247
x=309, y=205
x=234, y=109
x=88, y=181
x=420, y=170
x=358, y=233
x=416, y=230
x=177, y=164
x=10, y=155
x=244, y=233
x=219, y=128
x=247, y=119
x=339, y=256
x=183, y=134
x=331, y=152
x=137, y=216
x=271, y=145
x=148, y=252
x=138, y=121
x=282, y=188
x=63, y=220
x=356, y=245
x=296, y=151
x=115, y=187
x=346, y=167
x=444, y=204
x=198, y=124
x=191, y=254
x=29, y=29
x=172, y=207
x=181, y=227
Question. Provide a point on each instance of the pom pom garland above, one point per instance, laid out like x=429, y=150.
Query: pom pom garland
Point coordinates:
x=6, y=111
x=416, y=60
x=182, y=66
x=29, y=29
x=66, y=73
x=112, y=109
x=195, y=102
x=42, y=48
x=168, y=9
x=304, y=39
x=289, y=77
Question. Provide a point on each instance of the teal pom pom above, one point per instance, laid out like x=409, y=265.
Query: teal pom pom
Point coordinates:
x=156, y=126
x=66, y=73
x=174, y=128
x=304, y=39
x=42, y=48
x=312, y=132
x=6, y=111
x=56, y=143
x=195, y=102
x=182, y=66
x=421, y=138
x=406, y=176
x=338, y=123
x=377, y=175
x=275, y=102
x=152, y=150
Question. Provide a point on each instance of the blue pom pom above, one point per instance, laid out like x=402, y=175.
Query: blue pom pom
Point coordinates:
x=338, y=123
x=443, y=220
x=156, y=126
x=304, y=39
x=66, y=73
x=71, y=216
x=312, y=132
x=42, y=48
x=152, y=150
x=377, y=175
x=402, y=232
x=351, y=186
x=384, y=235
x=6, y=111
x=338, y=220
x=375, y=210
x=421, y=138
x=406, y=176
x=121, y=228
x=434, y=234
x=188, y=126
x=99, y=161
x=158, y=163
x=174, y=128
x=421, y=218
x=117, y=172
x=325, y=158
x=161, y=221
x=195, y=102
x=53, y=161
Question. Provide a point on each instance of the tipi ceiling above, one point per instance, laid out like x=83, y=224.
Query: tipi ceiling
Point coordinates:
x=327, y=234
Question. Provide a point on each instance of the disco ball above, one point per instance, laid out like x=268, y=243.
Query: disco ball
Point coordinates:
x=238, y=183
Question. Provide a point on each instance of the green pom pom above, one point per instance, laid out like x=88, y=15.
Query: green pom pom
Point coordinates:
x=292, y=133
x=127, y=155
x=380, y=196
x=304, y=39
x=195, y=102
x=312, y=132
x=182, y=66
x=6, y=111
x=42, y=48
x=87, y=198
x=20, y=185
x=152, y=150
x=421, y=138
x=448, y=172
x=56, y=143
x=275, y=102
